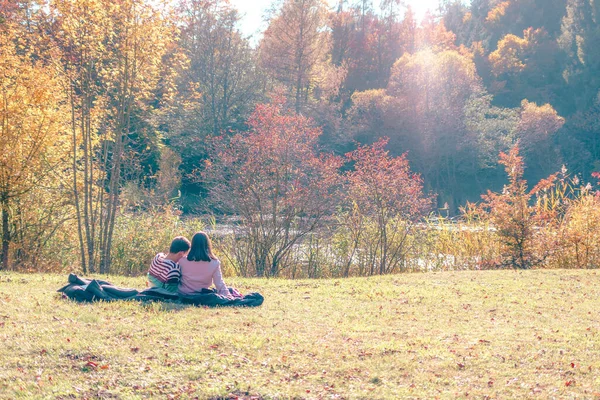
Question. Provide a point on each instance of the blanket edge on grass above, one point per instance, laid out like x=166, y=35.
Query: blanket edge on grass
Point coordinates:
x=84, y=290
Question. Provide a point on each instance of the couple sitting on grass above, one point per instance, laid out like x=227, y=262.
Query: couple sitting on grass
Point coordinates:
x=189, y=268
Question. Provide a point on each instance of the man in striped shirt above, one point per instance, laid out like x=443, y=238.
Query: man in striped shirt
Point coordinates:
x=164, y=271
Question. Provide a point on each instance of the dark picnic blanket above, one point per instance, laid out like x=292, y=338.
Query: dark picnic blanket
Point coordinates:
x=90, y=290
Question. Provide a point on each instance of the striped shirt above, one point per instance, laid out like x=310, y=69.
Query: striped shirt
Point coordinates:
x=164, y=270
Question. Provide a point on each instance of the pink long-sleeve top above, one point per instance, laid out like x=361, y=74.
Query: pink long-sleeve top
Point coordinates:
x=198, y=275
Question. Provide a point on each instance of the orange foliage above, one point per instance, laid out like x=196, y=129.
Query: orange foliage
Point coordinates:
x=496, y=14
x=434, y=36
x=294, y=43
x=512, y=215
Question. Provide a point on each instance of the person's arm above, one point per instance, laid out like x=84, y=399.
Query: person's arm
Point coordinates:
x=174, y=275
x=218, y=281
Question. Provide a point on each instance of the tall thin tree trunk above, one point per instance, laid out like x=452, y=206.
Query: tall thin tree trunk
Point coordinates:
x=75, y=189
x=5, y=232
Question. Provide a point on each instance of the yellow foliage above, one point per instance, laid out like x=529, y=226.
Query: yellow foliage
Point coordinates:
x=496, y=14
x=537, y=122
x=478, y=49
x=580, y=234
x=32, y=121
x=513, y=52
x=434, y=81
x=111, y=56
x=370, y=99
x=508, y=57
x=33, y=140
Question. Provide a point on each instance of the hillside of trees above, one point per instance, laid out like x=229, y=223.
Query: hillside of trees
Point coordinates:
x=114, y=106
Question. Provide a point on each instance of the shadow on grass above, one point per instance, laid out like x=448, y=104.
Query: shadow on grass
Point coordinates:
x=150, y=305
x=238, y=395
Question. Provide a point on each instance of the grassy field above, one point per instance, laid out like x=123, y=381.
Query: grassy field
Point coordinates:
x=505, y=334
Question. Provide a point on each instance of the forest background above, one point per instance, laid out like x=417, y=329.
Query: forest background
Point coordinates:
x=347, y=140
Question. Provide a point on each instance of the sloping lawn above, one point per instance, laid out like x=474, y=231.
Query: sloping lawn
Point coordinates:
x=501, y=334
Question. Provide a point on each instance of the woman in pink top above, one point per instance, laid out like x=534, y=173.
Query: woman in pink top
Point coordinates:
x=201, y=268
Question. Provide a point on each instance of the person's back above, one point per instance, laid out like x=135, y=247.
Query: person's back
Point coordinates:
x=164, y=271
x=201, y=268
x=198, y=275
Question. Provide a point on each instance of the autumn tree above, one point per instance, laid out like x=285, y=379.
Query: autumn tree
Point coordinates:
x=367, y=41
x=274, y=180
x=110, y=56
x=434, y=36
x=386, y=40
x=580, y=34
x=219, y=80
x=293, y=44
x=373, y=112
x=340, y=22
x=522, y=66
x=535, y=131
x=385, y=198
x=537, y=123
x=222, y=73
x=513, y=53
x=409, y=31
x=432, y=90
x=513, y=215
x=33, y=135
x=511, y=17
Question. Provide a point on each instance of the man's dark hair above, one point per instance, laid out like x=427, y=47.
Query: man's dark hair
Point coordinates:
x=179, y=244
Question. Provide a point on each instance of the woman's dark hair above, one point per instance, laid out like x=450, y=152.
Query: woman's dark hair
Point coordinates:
x=201, y=248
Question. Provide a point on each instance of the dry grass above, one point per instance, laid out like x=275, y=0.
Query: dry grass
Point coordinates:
x=495, y=334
